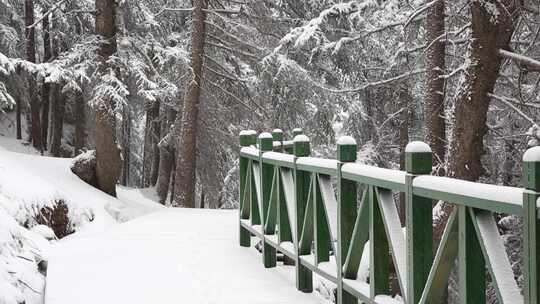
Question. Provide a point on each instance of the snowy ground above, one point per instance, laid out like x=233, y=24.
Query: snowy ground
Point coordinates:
x=174, y=256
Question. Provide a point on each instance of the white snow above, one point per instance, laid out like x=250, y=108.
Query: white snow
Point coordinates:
x=250, y=151
x=395, y=176
x=277, y=131
x=417, y=147
x=330, y=164
x=178, y=255
x=245, y=132
x=301, y=138
x=346, y=140
x=532, y=154
x=29, y=182
x=265, y=135
x=505, y=194
x=282, y=157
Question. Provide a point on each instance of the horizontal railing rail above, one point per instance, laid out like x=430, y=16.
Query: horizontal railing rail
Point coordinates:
x=321, y=214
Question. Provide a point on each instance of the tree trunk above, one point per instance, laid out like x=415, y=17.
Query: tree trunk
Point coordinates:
x=166, y=158
x=184, y=194
x=46, y=87
x=472, y=103
x=18, y=118
x=126, y=148
x=151, y=138
x=80, y=123
x=58, y=109
x=35, y=129
x=108, y=160
x=405, y=118
x=156, y=128
x=434, y=100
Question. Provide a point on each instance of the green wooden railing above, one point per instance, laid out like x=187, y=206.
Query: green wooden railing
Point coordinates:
x=322, y=212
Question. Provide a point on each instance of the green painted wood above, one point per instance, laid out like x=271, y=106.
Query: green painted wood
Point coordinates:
x=381, y=183
x=394, y=233
x=255, y=214
x=472, y=269
x=304, y=277
x=379, y=250
x=277, y=136
x=473, y=202
x=272, y=212
x=360, y=236
x=267, y=175
x=284, y=232
x=245, y=199
x=321, y=227
x=419, y=220
x=244, y=235
x=494, y=252
x=306, y=236
x=330, y=209
x=445, y=258
x=318, y=169
x=531, y=232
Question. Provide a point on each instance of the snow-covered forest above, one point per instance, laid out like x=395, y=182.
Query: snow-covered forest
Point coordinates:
x=152, y=95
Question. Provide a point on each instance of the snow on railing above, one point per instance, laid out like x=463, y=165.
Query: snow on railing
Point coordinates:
x=321, y=214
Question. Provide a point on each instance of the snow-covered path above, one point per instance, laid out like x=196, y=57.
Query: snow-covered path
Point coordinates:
x=172, y=256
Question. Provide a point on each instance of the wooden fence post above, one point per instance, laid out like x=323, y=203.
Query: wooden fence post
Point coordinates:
x=246, y=138
x=277, y=135
x=531, y=225
x=347, y=212
x=304, y=277
x=267, y=173
x=419, y=222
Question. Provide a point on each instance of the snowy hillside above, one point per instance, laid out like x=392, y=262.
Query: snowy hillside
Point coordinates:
x=36, y=192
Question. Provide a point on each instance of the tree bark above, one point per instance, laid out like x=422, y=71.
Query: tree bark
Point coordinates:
x=46, y=87
x=166, y=157
x=58, y=109
x=35, y=129
x=156, y=128
x=184, y=194
x=470, y=114
x=126, y=148
x=80, y=123
x=472, y=102
x=434, y=100
x=405, y=118
x=18, y=118
x=151, y=140
x=107, y=152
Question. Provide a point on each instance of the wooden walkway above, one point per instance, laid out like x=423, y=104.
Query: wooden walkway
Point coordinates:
x=174, y=256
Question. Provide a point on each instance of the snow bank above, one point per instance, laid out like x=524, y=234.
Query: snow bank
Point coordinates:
x=29, y=183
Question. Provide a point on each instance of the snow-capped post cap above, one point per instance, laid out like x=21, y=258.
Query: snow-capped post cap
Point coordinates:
x=277, y=134
x=266, y=143
x=531, y=169
x=246, y=138
x=346, y=149
x=297, y=131
x=253, y=137
x=418, y=158
x=301, y=145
